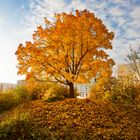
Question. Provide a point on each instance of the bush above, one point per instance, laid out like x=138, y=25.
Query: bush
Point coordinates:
x=38, y=89
x=24, y=93
x=122, y=91
x=57, y=92
x=13, y=97
x=21, y=92
x=15, y=127
x=7, y=101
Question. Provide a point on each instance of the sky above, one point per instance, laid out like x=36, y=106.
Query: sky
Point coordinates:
x=19, y=19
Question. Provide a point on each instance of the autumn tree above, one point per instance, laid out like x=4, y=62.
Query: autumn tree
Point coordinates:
x=69, y=50
x=134, y=60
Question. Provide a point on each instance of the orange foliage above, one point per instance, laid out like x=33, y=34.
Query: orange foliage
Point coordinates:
x=69, y=50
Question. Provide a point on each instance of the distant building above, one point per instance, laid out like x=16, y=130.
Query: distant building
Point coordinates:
x=83, y=89
x=6, y=86
x=21, y=82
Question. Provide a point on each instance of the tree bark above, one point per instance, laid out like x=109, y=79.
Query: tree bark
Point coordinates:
x=71, y=90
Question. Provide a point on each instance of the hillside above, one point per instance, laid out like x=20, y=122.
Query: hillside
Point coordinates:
x=70, y=119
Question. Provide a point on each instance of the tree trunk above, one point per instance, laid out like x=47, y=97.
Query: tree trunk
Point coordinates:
x=71, y=90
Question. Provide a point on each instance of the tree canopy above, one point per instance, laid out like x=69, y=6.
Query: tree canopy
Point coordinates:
x=70, y=49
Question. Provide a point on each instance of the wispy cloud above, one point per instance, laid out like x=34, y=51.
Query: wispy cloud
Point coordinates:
x=135, y=13
x=119, y=16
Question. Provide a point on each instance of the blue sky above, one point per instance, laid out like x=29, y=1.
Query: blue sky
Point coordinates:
x=19, y=19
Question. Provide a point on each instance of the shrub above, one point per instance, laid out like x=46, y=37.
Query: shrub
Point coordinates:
x=21, y=92
x=7, y=101
x=24, y=93
x=57, y=92
x=38, y=89
x=15, y=127
x=123, y=90
x=13, y=97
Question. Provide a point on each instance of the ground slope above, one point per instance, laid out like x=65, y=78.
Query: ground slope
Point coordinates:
x=77, y=119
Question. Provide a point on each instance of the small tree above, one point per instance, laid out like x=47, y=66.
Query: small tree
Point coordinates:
x=69, y=50
x=134, y=60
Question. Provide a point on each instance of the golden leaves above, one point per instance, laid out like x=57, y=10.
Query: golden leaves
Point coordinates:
x=67, y=48
x=75, y=118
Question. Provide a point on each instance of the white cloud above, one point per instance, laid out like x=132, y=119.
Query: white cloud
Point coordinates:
x=116, y=11
x=131, y=33
x=120, y=20
x=135, y=23
x=101, y=5
x=118, y=33
x=119, y=1
x=135, y=13
x=1, y=20
x=77, y=5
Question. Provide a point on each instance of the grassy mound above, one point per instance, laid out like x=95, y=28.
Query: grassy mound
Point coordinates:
x=72, y=119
